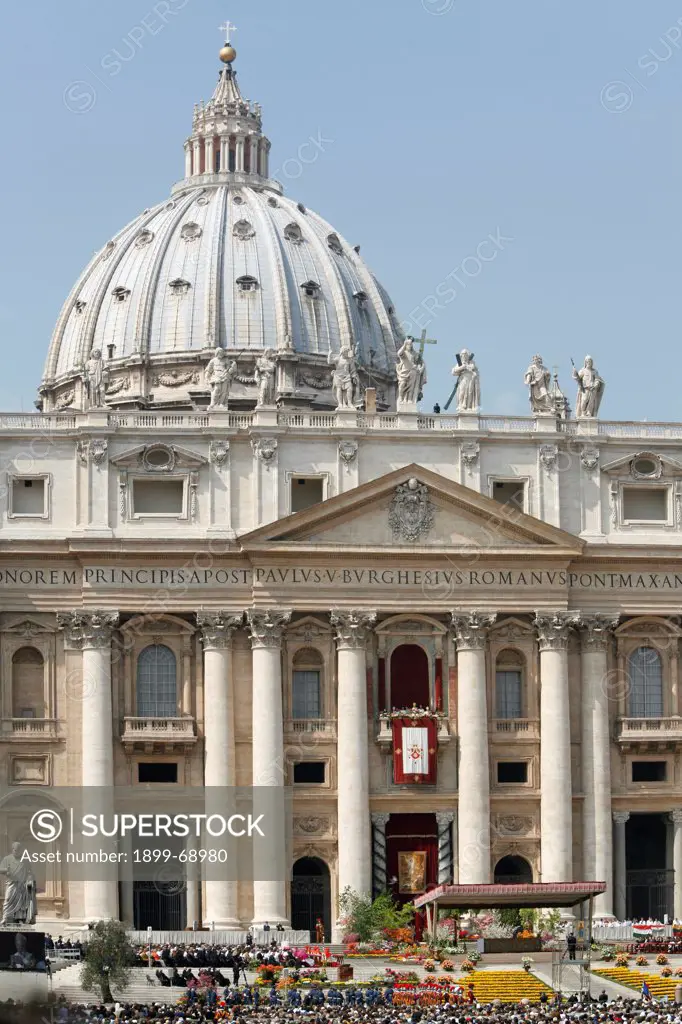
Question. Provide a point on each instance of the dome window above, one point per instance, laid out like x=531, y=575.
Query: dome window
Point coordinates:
x=144, y=238
x=108, y=249
x=79, y=306
x=311, y=289
x=203, y=201
x=190, y=231
x=171, y=205
x=300, y=207
x=120, y=293
x=179, y=286
x=243, y=230
x=334, y=243
x=247, y=283
x=293, y=234
x=360, y=298
x=272, y=201
x=238, y=199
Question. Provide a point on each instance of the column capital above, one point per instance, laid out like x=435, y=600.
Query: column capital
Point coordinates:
x=445, y=817
x=676, y=815
x=620, y=817
x=217, y=628
x=595, y=630
x=352, y=627
x=471, y=629
x=554, y=629
x=91, y=629
x=380, y=820
x=266, y=627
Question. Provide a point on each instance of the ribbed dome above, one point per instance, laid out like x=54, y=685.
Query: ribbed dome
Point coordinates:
x=227, y=262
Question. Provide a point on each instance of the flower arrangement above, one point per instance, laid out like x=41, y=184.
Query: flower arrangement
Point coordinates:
x=447, y=965
x=667, y=972
x=429, y=965
x=527, y=962
x=678, y=972
x=468, y=966
x=606, y=953
x=622, y=959
x=401, y=977
x=641, y=961
x=475, y=956
x=661, y=959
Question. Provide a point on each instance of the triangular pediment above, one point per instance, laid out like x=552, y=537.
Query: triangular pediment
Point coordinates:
x=416, y=509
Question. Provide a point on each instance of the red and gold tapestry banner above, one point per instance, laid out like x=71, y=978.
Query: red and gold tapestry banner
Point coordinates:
x=415, y=750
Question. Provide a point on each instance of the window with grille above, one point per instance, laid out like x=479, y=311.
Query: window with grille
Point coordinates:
x=305, y=694
x=509, y=685
x=157, y=689
x=646, y=683
x=508, y=693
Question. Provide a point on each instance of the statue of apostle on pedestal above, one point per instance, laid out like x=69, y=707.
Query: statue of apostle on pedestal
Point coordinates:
x=19, y=906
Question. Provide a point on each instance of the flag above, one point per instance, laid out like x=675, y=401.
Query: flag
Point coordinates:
x=646, y=994
x=415, y=751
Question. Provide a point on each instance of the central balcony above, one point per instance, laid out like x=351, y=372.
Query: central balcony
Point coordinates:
x=319, y=728
x=649, y=732
x=165, y=734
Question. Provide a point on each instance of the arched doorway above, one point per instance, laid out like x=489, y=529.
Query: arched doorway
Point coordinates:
x=410, y=677
x=311, y=896
x=513, y=870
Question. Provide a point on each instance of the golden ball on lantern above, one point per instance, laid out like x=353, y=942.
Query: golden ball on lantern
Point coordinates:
x=227, y=54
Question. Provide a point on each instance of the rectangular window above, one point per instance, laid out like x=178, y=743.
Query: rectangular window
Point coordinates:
x=511, y=493
x=157, y=771
x=512, y=772
x=158, y=497
x=645, y=504
x=29, y=496
x=305, y=695
x=305, y=491
x=508, y=693
x=307, y=773
x=649, y=771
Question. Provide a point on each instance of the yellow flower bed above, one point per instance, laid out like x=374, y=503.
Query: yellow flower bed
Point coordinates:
x=507, y=986
x=658, y=986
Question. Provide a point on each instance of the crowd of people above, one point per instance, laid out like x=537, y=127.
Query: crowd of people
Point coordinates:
x=557, y=1011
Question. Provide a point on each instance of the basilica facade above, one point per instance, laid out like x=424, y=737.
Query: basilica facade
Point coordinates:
x=236, y=552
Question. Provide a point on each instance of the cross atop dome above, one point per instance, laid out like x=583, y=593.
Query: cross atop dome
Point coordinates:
x=227, y=28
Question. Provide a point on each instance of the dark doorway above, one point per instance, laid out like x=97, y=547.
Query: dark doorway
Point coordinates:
x=513, y=870
x=311, y=896
x=163, y=906
x=649, y=884
x=410, y=677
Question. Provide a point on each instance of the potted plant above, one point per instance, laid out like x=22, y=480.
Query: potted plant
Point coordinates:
x=527, y=962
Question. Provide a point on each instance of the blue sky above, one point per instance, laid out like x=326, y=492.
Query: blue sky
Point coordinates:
x=553, y=128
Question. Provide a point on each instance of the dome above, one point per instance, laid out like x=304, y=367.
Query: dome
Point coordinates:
x=227, y=261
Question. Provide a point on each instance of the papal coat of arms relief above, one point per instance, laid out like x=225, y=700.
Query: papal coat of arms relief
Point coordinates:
x=411, y=513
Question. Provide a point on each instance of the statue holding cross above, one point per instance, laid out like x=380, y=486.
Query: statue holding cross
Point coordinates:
x=468, y=383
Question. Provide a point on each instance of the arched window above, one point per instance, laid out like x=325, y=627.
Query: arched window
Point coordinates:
x=509, y=685
x=157, y=688
x=28, y=683
x=645, y=672
x=306, y=696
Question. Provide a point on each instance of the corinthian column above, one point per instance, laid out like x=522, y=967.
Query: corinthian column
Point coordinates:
x=219, y=747
x=596, y=757
x=91, y=632
x=620, y=876
x=676, y=818
x=473, y=784
x=355, y=859
x=556, y=807
x=269, y=897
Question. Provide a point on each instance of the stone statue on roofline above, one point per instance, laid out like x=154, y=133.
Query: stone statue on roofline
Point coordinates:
x=538, y=380
x=411, y=373
x=590, y=389
x=219, y=377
